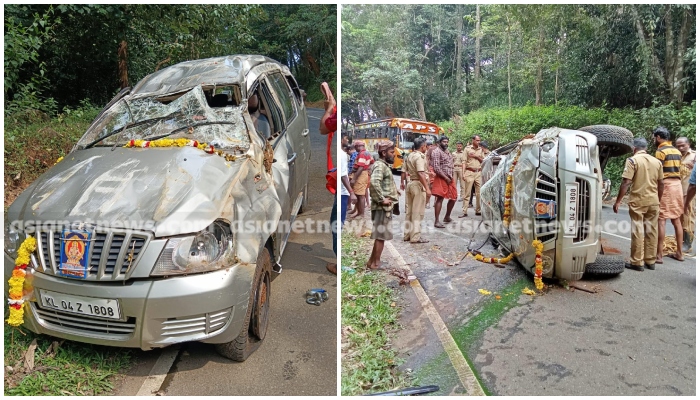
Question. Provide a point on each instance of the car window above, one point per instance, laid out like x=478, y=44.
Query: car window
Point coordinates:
x=295, y=89
x=284, y=95
x=272, y=109
x=148, y=117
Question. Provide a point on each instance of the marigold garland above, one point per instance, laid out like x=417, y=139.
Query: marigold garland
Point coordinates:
x=509, y=190
x=491, y=260
x=538, y=263
x=16, y=282
x=207, y=148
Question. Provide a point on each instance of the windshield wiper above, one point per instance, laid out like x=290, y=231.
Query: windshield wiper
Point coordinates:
x=127, y=126
x=190, y=126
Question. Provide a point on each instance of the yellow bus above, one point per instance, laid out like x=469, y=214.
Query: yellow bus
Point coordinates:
x=401, y=131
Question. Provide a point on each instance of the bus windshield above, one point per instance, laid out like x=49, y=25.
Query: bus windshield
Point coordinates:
x=407, y=139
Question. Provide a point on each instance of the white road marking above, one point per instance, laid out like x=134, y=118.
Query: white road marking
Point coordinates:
x=160, y=370
x=465, y=373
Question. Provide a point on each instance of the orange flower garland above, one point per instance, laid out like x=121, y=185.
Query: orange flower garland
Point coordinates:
x=492, y=260
x=509, y=191
x=16, y=282
x=538, y=263
x=209, y=149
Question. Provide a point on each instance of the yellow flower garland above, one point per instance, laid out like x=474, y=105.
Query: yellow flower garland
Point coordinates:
x=492, y=260
x=538, y=263
x=209, y=149
x=509, y=191
x=16, y=282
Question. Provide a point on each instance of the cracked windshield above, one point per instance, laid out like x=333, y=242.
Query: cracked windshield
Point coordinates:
x=189, y=116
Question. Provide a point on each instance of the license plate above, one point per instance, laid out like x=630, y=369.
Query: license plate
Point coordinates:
x=570, y=210
x=94, y=307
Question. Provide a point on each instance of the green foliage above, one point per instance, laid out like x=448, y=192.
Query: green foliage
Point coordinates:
x=368, y=320
x=70, y=369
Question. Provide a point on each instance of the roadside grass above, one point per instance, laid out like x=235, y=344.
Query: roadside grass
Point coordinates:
x=61, y=368
x=369, y=364
x=488, y=315
x=34, y=141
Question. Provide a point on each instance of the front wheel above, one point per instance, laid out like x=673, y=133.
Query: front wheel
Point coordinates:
x=606, y=265
x=257, y=316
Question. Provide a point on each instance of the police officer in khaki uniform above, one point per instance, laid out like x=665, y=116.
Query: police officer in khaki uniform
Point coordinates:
x=644, y=177
x=459, y=157
x=416, y=168
x=471, y=174
x=687, y=163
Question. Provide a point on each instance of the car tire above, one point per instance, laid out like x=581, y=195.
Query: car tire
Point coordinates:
x=257, y=317
x=606, y=265
x=618, y=139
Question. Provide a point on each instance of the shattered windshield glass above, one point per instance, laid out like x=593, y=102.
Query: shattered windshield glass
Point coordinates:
x=189, y=116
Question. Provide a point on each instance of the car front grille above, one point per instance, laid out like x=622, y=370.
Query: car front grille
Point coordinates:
x=82, y=324
x=583, y=153
x=546, y=189
x=111, y=254
x=583, y=212
x=202, y=324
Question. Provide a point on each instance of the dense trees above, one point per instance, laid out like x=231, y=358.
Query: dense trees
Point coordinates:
x=437, y=61
x=61, y=55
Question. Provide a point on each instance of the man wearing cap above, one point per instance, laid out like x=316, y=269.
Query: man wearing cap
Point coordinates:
x=672, y=203
x=382, y=190
x=360, y=176
x=687, y=165
x=472, y=175
x=644, y=177
x=416, y=191
x=443, y=186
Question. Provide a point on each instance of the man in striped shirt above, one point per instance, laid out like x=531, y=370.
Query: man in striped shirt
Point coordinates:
x=672, y=200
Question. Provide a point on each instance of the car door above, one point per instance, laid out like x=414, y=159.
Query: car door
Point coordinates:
x=296, y=135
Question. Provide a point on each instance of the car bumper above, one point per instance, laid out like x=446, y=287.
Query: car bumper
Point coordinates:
x=208, y=307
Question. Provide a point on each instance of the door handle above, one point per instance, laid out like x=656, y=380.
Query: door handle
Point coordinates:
x=291, y=160
x=305, y=132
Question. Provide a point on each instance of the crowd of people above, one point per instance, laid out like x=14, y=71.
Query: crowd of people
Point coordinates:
x=660, y=188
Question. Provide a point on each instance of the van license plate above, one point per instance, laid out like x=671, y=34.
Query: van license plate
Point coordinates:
x=94, y=307
x=570, y=213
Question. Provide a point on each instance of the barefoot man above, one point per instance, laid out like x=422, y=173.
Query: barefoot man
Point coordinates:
x=672, y=200
x=382, y=190
x=444, y=186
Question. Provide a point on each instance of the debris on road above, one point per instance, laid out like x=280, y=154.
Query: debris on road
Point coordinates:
x=529, y=291
x=484, y=292
x=316, y=296
x=400, y=273
x=594, y=290
x=617, y=292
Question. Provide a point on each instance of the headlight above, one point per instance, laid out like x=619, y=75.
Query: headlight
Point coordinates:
x=11, y=240
x=193, y=254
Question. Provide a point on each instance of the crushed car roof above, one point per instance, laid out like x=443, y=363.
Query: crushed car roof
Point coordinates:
x=188, y=74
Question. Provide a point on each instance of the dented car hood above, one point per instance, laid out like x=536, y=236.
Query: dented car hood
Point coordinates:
x=167, y=191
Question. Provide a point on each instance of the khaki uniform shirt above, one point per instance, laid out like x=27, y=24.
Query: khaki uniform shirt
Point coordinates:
x=687, y=163
x=415, y=163
x=459, y=158
x=645, y=172
x=473, y=163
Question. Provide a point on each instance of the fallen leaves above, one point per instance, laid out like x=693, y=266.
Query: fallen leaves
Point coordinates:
x=400, y=273
x=29, y=357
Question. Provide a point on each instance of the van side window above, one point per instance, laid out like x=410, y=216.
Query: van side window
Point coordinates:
x=284, y=95
x=272, y=110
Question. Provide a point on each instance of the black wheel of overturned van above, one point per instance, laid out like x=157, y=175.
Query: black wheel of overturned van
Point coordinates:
x=615, y=139
x=257, y=316
x=606, y=265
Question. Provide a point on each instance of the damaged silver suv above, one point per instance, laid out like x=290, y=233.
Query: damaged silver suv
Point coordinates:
x=556, y=197
x=167, y=221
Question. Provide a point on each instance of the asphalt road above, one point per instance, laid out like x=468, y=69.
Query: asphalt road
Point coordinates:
x=298, y=356
x=639, y=342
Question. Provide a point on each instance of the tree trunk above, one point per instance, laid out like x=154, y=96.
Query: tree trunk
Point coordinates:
x=123, y=72
x=669, y=67
x=458, y=39
x=655, y=69
x=510, y=100
x=677, y=88
x=538, y=78
x=477, y=63
x=421, y=108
